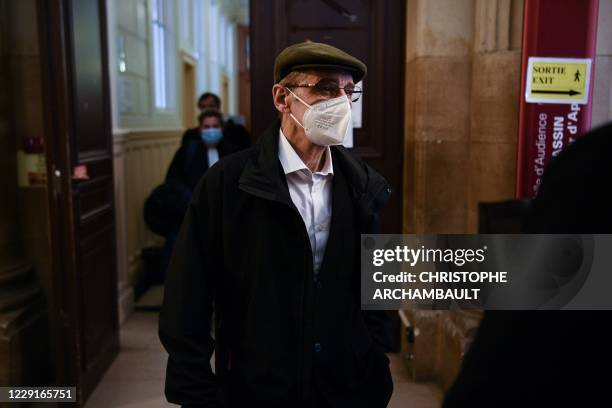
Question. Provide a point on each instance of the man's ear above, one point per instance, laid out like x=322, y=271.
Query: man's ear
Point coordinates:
x=279, y=96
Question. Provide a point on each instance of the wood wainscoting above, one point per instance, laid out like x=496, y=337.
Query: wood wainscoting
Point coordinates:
x=141, y=159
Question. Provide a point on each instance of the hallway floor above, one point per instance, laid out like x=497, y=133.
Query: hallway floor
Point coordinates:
x=136, y=377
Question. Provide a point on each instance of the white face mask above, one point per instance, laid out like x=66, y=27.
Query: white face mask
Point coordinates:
x=327, y=122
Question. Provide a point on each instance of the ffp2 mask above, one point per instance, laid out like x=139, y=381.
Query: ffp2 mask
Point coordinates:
x=325, y=123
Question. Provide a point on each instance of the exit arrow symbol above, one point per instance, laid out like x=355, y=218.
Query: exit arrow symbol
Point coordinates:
x=571, y=92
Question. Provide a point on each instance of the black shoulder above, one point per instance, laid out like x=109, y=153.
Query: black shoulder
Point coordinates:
x=192, y=134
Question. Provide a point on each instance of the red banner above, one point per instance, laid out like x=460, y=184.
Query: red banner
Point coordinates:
x=558, y=65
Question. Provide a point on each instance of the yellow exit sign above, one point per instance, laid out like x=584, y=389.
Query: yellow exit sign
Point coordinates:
x=558, y=80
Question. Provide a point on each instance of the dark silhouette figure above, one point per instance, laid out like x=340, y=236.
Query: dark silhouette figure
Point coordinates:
x=549, y=358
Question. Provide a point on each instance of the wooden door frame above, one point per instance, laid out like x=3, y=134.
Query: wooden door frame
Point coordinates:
x=55, y=43
x=188, y=60
x=54, y=74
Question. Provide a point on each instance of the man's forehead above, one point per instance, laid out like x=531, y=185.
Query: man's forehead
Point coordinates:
x=342, y=77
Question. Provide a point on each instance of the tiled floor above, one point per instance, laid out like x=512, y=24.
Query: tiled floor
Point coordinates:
x=136, y=377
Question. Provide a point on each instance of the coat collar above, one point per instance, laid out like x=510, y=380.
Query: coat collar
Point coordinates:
x=263, y=175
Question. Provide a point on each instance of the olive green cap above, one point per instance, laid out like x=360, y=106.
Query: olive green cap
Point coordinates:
x=312, y=55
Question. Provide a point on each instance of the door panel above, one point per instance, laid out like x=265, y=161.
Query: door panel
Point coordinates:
x=372, y=31
x=97, y=307
x=78, y=128
x=88, y=85
x=91, y=146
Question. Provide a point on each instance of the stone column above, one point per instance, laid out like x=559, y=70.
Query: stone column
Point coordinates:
x=439, y=39
x=462, y=80
x=438, y=84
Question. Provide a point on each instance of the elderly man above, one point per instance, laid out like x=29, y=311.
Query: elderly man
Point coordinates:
x=271, y=244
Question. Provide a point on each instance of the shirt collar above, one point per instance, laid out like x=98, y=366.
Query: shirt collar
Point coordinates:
x=292, y=162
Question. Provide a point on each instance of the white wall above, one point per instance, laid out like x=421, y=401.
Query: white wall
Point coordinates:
x=145, y=138
x=195, y=31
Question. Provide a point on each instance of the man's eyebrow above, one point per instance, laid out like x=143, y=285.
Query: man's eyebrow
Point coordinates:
x=329, y=80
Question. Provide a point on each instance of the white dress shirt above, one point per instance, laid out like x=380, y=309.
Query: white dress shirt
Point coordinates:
x=311, y=194
x=213, y=156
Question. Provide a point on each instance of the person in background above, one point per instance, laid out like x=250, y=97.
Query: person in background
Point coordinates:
x=209, y=100
x=195, y=156
x=190, y=163
x=233, y=131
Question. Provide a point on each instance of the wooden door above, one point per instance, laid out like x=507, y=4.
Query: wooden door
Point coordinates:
x=371, y=30
x=78, y=127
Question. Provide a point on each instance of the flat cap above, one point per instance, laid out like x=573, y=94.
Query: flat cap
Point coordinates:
x=311, y=54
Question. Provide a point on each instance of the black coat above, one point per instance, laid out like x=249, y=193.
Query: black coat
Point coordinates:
x=282, y=337
x=167, y=204
x=190, y=161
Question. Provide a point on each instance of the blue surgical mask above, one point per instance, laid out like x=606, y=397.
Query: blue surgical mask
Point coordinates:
x=211, y=136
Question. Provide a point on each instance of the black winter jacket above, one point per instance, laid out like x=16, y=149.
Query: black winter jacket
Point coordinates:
x=282, y=335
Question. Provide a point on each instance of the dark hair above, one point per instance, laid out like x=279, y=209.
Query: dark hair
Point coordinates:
x=210, y=113
x=206, y=95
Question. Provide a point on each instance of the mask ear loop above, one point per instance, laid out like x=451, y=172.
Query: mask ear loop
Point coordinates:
x=298, y=98
x=291, y=114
